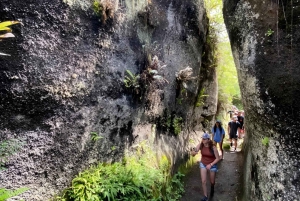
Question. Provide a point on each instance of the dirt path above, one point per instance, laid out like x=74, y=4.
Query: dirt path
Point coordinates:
x=227, y=179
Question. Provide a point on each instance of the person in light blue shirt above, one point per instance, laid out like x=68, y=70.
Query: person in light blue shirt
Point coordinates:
x=218, y=134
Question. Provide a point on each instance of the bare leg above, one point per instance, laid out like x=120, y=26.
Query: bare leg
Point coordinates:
x=212, y=183
x=203, y=173
x=212, y=177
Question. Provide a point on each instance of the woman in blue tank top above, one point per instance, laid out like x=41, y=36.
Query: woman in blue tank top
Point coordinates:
x=218, y=134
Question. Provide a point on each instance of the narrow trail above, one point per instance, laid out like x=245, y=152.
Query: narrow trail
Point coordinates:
x=227, y=187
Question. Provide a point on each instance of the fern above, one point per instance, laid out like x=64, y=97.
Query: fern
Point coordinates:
x=136, y=178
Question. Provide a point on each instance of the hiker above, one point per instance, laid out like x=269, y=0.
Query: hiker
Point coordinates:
x=218, y=134
x=209, y=159
x=241, y=120
x=234, y=128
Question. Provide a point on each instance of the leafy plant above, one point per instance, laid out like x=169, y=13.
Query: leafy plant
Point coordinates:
x=151, y=74
x=132, y=81
x=200, y=98
x=177, y=122
x=265, y=141
x=5, y=193
x=269, y=32
x=4, y=26
x=137, y=177
x=95, y=136
x=8, y=148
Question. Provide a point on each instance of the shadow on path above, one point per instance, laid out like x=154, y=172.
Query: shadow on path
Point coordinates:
x=227, y=187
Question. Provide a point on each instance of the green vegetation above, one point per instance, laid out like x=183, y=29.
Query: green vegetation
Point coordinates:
x=95, y=136
x=138, y=177
x=132, y=81
x=147, y=81
x=4, y=26
x=104, y=9
x=7, y=149
x=177, y=123
x=5, y=193
x=226, y=146
x=229, y=90
x=265, y=141
x=269, y=32
x=200, y=98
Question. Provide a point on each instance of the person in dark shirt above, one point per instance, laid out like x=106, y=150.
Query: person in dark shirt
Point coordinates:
x=241, y=120
x=234, y=129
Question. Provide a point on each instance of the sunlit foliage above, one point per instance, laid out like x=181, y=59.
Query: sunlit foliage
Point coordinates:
x=229, y=89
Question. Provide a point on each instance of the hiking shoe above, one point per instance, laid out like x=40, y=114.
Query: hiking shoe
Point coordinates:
x=204, y=198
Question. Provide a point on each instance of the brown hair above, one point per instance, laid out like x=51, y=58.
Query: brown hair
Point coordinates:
x=210, y=144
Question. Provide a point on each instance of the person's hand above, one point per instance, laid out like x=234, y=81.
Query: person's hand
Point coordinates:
x=194, y=153
x=208, y=166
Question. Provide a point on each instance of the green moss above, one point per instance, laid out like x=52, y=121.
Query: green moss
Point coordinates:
x=177, y=123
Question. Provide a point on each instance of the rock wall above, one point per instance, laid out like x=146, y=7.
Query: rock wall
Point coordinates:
x=265, y=42
x=65, y=80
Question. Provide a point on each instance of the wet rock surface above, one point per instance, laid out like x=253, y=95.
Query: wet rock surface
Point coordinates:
x=65, y=80
x=264, y=38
